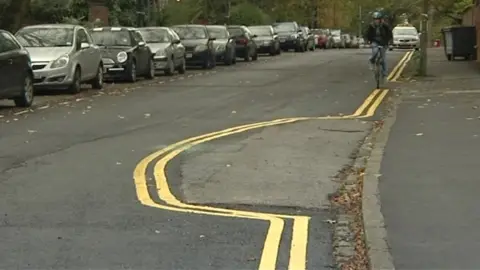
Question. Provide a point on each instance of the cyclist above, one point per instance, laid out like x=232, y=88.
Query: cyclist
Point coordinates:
x=379, y=34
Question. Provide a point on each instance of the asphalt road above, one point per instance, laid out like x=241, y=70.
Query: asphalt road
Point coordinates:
x=68, y=200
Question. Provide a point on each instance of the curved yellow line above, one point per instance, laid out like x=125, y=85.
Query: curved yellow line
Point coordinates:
x=272, y=241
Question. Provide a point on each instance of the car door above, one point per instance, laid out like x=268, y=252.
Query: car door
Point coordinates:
x=12, y=65
x=143, y=52
x=179, y=48
x=87, y=57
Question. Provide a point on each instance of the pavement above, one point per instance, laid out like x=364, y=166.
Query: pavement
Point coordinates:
x=428, y=180
x=248, y=198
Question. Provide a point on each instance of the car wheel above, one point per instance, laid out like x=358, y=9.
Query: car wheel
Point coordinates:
x=97, y=82
x=151, y=70
x=234, y=57
x=183, y=67
x=75, y=87
x=247, y=56
x=213, y=62
x=206, y=63
x=255, y=55
x=27, y=94
x=170, y=69
x=132, y=72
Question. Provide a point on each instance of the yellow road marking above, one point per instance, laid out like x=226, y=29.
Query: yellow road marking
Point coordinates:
x=404, y=64
x=298, y=248
x=397, y=66
x=376, y=103
x=298, y=251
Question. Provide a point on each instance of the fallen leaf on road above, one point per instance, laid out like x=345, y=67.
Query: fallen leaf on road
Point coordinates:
x=228, y=165
x=202, y=236
x=469, y=118
x=451, y=107
x=419, y=134
x=121, y=117
x=157, y=231
x=147, y=115
x=377, y=175
x=119, y=163
x=31, y=131
x=474, y=107
x=420, y=107
x=428, y=100
x=330, y=221
x=234, y=111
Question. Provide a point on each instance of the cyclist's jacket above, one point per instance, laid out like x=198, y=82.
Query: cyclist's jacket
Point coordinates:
x=381, y=34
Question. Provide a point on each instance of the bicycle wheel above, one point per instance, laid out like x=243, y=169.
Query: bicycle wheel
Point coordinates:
x=377, y=71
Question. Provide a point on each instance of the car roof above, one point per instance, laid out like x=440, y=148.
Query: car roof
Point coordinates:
x=189, y=25
x=60, y=25
x=216, y=26
x=153, y=27
x=113, y=28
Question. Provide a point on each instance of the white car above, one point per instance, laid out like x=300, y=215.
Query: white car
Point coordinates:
x=405, y=37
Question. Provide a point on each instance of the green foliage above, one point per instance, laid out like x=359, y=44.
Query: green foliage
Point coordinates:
x=179, y=13
x=248, y=14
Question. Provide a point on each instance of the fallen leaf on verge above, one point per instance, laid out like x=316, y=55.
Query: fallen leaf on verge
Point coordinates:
x=157, y=231
x=119, y=163
x=234, y=111
x=121, y=117
x=468, y=118
x=31, y=131
x=147, y=115
x=330, y=221
x=202, y=236
x=419, y=134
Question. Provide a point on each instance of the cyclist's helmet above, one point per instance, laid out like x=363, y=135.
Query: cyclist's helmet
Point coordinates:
x=377, y=15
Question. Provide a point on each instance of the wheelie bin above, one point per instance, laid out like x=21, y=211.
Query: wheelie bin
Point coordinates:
x=460, y=41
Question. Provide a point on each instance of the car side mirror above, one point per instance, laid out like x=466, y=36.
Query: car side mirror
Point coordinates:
x=176, y=41
x=141, y=44
x=212, y=38
x=275, y=33
x=299, y=31
x=84, y=45
x=254, y=36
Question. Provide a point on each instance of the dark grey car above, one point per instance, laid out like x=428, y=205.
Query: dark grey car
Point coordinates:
x=290, y=36
x=267, y=39
x=224, y=44
x=309, y=38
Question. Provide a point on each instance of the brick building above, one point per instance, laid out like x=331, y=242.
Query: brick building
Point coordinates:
x=98, y=10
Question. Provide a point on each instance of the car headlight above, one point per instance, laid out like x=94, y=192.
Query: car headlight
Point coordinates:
x=160, y=53
x=62, y=61
x=294, y=36
x=201, y=48
x=122, y=57
x=220, y=47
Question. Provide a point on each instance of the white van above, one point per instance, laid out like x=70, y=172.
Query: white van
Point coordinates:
x=405, y=37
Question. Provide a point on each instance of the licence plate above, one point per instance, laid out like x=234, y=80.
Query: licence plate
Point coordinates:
x=189, y=55
x=37, y=76
x=282, y=40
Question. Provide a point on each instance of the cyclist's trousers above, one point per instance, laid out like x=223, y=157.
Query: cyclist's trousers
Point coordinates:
x=383, y=51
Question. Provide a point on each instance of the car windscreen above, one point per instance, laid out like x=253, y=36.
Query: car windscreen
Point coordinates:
x=238, y=32
x=112, y=38
x=190, y=32
x=155, y=35
x=261, y=31
x=284, y=27
x=405, y=32
x=45, y=37
x=218, y=32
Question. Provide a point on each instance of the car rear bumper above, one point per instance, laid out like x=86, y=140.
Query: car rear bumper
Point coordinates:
x=160, y=62
x=265, y=49
x=404, y=45
x=289, y=44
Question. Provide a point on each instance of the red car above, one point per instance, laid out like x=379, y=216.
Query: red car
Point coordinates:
x=322, y=38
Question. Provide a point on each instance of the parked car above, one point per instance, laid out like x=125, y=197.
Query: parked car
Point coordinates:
x=267, y=39
x=199, y=47
x=224, y=44
x=405, y=36
x=355, y=42
x=309, y=39
x=125, y=53
x=16, y=74
x=246, y=47
x=348, y=40
x=338, y=39
x=323, y=38
x=361, y=42
x=169, y=53
x=63, y=56
x=290, y=36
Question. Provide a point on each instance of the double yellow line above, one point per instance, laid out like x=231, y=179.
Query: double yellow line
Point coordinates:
x=398, y=69
x=298, y=247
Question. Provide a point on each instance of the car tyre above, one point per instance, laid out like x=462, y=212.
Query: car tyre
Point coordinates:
x=183, y=67
x=170, y=69
x=247, y=56
x=27, y=95
x=132, y=72
x=76, y=85
x=255, y=55
x=228, y=59
x=97, y=82
x=151, y=70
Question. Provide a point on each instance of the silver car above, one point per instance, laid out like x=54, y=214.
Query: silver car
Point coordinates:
x=63, y=56
x=169, y=51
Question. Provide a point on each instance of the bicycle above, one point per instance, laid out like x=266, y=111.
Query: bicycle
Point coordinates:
x=378, y=59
